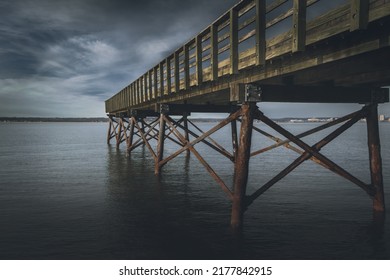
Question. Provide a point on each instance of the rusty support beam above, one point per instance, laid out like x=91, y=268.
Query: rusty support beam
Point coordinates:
x=214, y=145
x=307, y=133
x=305, y=156
x=131, y=135
x=143, y=136
x=209, y=169
x=374, y=149
x=119, y=133
x=186, y=134
x=234, y=138
x=315, y=152
x=201, y=138
x=241, y=166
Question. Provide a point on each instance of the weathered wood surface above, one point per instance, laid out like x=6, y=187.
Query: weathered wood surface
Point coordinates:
x=344, y=46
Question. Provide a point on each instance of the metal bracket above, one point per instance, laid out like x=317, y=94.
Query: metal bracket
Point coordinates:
x=252, y=93
x=164, y=108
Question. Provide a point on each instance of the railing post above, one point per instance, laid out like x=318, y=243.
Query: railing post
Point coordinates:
x=199, y=62
x=138, y=92
x=150, y=85
x=374, y=149
x=186, y=67
x=177, y=71
x=169, y=85
x=359, y=14
x=161, y=93
x=241, y=165
x=233, y=41
x=260, y=32
x=146, y=93
x=155, y=85
x=214, y=51
x=299, y=26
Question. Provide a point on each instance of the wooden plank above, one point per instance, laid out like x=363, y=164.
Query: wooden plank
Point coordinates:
x=322, y=94
x=233, y=42
x=359, y=14
x=275, y=4
x=214, y=52
x=299, y=25
x=260, y=32
x=199, y=66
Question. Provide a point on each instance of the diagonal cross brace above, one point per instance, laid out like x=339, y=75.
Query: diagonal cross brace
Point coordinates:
x=199, y=157
x=313, y=151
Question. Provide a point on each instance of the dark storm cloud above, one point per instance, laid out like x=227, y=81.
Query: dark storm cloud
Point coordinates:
x=65, y=57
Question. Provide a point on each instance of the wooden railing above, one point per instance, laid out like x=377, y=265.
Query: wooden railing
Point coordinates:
x=248, y=35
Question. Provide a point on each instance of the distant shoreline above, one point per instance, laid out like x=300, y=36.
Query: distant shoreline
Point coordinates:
x=28, y=120
x=104, y=120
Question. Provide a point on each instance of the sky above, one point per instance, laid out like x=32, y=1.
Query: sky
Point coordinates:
x=64, y=58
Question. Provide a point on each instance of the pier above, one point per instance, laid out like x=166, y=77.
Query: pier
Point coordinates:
x=293, y=51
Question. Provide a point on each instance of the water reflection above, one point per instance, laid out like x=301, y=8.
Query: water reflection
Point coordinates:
x=181, y=214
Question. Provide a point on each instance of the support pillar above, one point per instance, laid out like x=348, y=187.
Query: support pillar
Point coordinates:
x=234, y=138
x=160, y=145
x=131, y=135
x=119, y=134
x=374, y=151
x=241, y=166
x=109, y=133
x=186, y=135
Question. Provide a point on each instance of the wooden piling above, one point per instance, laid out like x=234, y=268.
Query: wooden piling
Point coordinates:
x=185, y=124
x=160, y=146
x=241, y=166
x=110, y=125
x=119, y=134
x=234, y=138
x=131, y=135
x=374, y=151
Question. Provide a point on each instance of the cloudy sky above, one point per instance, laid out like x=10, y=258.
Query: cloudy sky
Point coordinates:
x=63, y=58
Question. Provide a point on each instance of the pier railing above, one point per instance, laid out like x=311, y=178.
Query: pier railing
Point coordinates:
x=248, y=35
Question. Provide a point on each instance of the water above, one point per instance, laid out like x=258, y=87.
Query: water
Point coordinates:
x=66, y=194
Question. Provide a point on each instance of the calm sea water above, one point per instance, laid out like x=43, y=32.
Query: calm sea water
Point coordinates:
x=66, y=194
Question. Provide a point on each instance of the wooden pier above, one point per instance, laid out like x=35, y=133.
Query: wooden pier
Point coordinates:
x=264, y=51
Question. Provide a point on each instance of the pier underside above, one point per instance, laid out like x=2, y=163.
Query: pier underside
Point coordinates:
x=153, y=128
